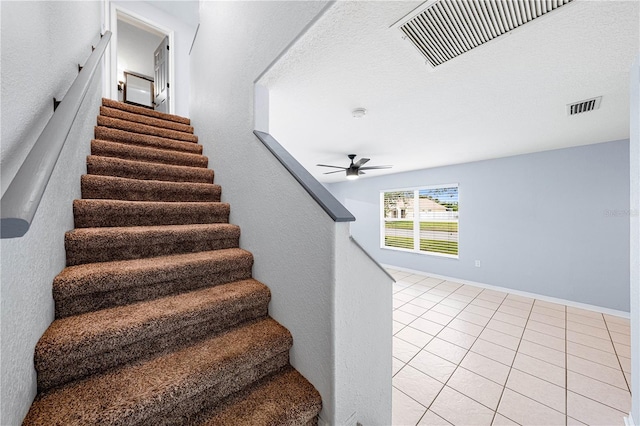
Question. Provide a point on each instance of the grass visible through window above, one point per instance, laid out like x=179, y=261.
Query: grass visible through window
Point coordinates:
x=438, y=246
x=424, y=226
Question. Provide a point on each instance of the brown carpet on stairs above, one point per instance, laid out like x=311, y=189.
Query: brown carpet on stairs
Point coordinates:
x=142, y=154
x=151, y=121
x=158, y=320
x=119, y=167
x=110, y=187
x=116, y=135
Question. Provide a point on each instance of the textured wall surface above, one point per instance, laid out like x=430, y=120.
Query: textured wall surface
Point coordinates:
x=551, y=223
x=325, y=291
x=236, y=42
x=42, y=43
x=363, y=330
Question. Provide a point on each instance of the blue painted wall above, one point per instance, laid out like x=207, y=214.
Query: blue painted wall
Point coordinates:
x=554, y=223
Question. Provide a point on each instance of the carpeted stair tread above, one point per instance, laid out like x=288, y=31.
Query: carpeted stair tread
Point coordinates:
x=146, y=154
x=107, y=213
x=138, y=393
x=150, y=121
x=284, y=398
x=131, y=169
x=131, y=126
x=84, y=288
x=144, y=111
x=89, y=245
x=158, y=319
x=122, y=136
x=77, y=346
x=116, y=188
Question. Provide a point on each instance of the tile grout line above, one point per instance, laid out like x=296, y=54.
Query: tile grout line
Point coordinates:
x=616, y=352
x=469, y=350
x=436, y=335
x=574, y=355
x=422, y=348
x=483, y=328
x=458, y=364
x=409, y=301
x=511, y=367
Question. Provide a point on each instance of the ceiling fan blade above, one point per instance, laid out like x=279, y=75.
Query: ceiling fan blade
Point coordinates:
x=361, y=162
x=336, y=171
x=361, y=173
x=335, y=167
x=375, y=167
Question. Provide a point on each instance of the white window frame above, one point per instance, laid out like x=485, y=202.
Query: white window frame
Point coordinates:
x=416, y=221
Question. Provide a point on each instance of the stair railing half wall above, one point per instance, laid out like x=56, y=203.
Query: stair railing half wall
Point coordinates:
x=319, y=193
x=22, y=198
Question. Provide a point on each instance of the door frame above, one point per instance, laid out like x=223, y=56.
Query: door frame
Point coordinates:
x=110, y=14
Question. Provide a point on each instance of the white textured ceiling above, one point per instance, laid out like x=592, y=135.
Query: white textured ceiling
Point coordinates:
x=505, y=98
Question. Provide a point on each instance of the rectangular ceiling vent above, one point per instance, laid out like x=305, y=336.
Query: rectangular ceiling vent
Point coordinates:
x=584, y=106
x=444, y=29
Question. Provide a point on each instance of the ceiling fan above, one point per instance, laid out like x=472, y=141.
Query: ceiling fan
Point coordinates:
x=355, y=169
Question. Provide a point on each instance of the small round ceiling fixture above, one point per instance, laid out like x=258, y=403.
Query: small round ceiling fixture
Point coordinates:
x=359, y=112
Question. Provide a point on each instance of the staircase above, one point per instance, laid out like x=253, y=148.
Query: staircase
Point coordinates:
x=158, y=321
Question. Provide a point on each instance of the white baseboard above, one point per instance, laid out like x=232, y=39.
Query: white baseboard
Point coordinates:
x=628, y=421
x=571, y=303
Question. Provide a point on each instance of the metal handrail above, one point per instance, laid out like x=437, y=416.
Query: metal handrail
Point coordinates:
x=316, y=190
x=20, y=202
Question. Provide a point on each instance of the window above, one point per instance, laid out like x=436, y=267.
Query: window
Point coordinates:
x=423, y=220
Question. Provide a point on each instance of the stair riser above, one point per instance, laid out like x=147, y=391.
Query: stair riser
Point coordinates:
x=150, y=155
x=95, y=187
x=129, y=126
x=144, y=111
x=120, y=136
x=187, y=413
x=56, y=372
x=89, y=217
x=125, y=296
x=107, y=166
x=272, y=394
x=138, y=392
x=157, y=317
x=103, y=250
x=143, y=119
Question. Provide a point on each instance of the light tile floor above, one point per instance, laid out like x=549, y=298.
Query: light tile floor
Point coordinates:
x=465, y=355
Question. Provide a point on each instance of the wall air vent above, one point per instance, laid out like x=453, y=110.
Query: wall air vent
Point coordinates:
x=584, y=106
x=444, y=29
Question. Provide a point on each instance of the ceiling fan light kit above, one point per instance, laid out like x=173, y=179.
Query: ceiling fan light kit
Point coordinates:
x=355, y=169
x=352, y=173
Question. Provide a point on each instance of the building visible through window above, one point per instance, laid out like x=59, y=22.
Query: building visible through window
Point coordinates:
x=422, y=220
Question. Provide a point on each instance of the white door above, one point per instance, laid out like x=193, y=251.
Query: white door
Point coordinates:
x=161, y=76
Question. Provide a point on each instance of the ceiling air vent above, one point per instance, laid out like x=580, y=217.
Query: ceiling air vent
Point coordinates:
x=584, y=106
x=444, y=29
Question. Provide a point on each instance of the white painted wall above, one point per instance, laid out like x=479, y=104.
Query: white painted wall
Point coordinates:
x=363, y=330
x=183, y=36
x=42, y=44
x=135, y=49
x=185, y=10
x=634, y=154
x=236, y=41
x=295, y=243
